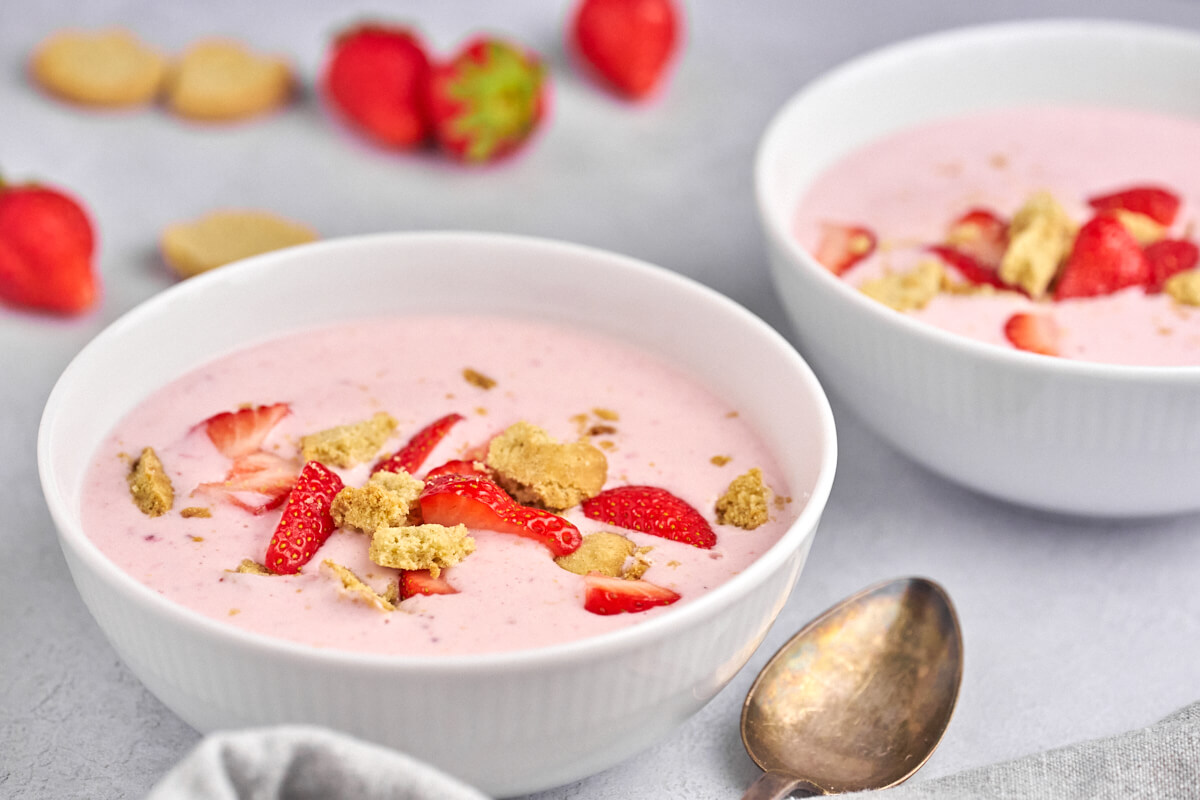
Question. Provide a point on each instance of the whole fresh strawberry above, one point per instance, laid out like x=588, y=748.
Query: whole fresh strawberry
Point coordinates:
x=376, y=76
x=487, y=100
x=306, y=522
x=46, y=247
x=629, y=43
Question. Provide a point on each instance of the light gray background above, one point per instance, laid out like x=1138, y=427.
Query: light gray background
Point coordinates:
x=1074, y=629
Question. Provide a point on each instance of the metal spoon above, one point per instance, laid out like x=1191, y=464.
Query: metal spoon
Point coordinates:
x=860, y=697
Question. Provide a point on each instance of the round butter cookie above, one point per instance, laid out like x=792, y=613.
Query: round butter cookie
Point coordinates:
x=220, y=237
x=220, y=79
x=109, y=67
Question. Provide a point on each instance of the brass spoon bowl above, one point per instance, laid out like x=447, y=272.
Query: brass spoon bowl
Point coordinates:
x=860, y=697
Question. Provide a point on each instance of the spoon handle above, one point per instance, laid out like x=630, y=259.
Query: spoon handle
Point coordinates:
x=775, y=784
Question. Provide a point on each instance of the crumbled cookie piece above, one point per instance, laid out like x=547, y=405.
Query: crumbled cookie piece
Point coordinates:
x=536, y=469
x=219, y=79
x=384, y=502
x=1141, y=227
x=478, y=379
x=1184, y=287
x=608, y=553
x=357, y=588
x=601, y=430
x=195, y=511
x=150, y=485
x=720, y=461
x=1039, y=237
x=907, y=291
x=429, y=546
x=744, y=503
x=348, y=445
x=110, y=68
x=219, y=237
x=606, y=414
x=251, y=567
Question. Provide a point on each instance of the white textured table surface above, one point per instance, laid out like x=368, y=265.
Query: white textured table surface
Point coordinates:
x=1073, y=629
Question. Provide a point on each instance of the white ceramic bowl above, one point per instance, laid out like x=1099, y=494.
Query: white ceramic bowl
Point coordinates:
x=508, y=723
x=1066, y=436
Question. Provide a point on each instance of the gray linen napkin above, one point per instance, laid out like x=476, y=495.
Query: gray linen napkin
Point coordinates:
x=1161, y=761
x=298, y=763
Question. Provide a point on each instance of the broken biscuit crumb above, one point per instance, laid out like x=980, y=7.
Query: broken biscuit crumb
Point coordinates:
x=429, y=546
x=149, y=485
x=606, y=414
x=347, y=445
x=601, y=430
x=251, y=567
x=478, y=379
x=384, y=502
x=1146, y=230
x=720, y=461
x=357, y=589
x=609, y=554
x=195, y=511
x=907, y=291
x=1184, y=287
x=744, y=503
x=1039, y=238
x=536, y=469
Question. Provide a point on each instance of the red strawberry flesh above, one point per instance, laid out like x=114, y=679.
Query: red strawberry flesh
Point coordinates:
x=969, y=267
x=652, y=510
x=412, y=455
x=1168, y=257
x=46, y=247
x=418, y=581
x=1104, y=259
x=606, y=596
x=479, y=503
x=241, y=432
x=264, y=478
x=306, y=521
x=981, y=234
x=1036, y=333
x=843, y=246
x=1161, y=205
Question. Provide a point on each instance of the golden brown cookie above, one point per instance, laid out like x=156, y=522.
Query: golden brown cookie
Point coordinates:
x=220, y=79
x=224, y=236
x=102, y=68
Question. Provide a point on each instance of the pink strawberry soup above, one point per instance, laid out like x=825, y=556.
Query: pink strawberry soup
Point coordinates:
x=655, y=425
x=909, y=190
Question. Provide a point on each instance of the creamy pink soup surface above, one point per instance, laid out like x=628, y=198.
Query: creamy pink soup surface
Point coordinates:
x=512, y=595
x=908, y=186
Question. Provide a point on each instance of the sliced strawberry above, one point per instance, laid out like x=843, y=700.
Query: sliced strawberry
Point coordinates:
x=1167, y=257
x=376, y=77
x=969, y=268
x=241, y=432
x=981, y=234
x=1037, y=333
x=306, y=522
x=1157, y=203
x=479, y=503
x=410, y=457
x=257, y=482
x=464, y=467
x=843, y=246
x=629, y=43
x=419, y=581
x=605, y=595
x=1105, y=259
x=650, y=509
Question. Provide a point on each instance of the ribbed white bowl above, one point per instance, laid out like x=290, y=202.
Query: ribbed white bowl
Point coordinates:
x=508, y=723
x=1074, y=437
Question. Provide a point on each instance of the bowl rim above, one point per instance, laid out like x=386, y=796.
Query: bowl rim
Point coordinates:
x=878, y=60
x=71, y=535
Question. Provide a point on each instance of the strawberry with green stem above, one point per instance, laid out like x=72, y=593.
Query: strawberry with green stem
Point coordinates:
x=487, y=101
